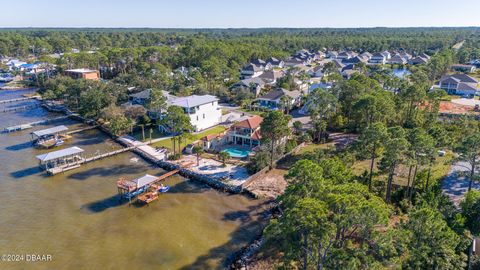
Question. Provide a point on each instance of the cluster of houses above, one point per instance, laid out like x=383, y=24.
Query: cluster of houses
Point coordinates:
x=33, y=69
x=264, y=74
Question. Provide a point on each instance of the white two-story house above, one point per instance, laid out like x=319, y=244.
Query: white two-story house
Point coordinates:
x=203, y=110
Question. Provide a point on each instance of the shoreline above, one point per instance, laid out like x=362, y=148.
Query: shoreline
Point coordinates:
x=238, y=259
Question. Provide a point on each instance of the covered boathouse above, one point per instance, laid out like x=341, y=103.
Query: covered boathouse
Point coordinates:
x=49, y=137
x=129, y=189
x=61, y=159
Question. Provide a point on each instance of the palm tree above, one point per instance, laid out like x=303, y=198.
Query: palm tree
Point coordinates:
x=197, y=150
x=223, y=156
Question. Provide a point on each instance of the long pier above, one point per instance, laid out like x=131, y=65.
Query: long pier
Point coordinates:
x=20, y=108
x=81, y=129
x=32, y=124
x=71, y=166
x=18, y=99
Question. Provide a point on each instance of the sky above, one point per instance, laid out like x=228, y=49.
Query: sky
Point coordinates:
x=239, y=14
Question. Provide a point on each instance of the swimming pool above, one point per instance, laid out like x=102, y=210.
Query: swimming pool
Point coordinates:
x=236, y=152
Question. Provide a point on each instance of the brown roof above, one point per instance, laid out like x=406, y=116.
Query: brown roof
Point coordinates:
x=251, y=123
x=256, y=135
x=212, y=136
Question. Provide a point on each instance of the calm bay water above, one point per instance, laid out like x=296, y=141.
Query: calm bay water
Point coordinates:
x=76, y=216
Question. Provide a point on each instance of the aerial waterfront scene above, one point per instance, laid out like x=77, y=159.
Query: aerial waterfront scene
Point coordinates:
x=167, y=135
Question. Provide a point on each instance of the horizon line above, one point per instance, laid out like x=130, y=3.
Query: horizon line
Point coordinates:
x=228, y=28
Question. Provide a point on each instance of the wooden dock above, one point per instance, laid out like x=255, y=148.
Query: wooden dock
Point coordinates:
x=18, y=99
x=31, y=125
x=71, y=166
x=109, y=154
x=81, y=129
x=20, y=108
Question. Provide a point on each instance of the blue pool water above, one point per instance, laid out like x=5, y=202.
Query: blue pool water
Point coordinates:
x=236, y=152
x=401, y=73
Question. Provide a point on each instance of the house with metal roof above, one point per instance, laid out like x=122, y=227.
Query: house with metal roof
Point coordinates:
x=61, y=157
x=202, y=110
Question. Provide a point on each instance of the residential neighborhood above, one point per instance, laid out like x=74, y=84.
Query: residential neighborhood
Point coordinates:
x=186, y=135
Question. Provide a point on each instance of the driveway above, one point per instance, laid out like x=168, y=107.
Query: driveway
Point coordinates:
x=304, y=119
x=455, y=185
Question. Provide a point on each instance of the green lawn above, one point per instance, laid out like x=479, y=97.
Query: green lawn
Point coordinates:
x=168, y=142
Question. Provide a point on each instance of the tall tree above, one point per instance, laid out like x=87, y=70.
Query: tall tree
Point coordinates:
x=469, y=150
x=177, y=122
x=321, y=106
x=395, y=149
x=432, y=244
x=371, y=142
x=274, y=128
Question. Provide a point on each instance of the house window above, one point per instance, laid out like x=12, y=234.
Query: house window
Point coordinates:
x=203, y=116
x=197, y=117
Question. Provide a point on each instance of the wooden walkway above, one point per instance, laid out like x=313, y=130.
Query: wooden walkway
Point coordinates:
x=18, y=99
x=109, y=154
x=31, y=125
x=81, y=129
x=20, y=108
x=71, y=166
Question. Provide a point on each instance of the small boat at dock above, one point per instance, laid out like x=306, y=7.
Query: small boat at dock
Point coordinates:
x=148, y=197
x=164, y=189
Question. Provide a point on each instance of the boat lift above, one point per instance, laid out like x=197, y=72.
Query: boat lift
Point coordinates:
x=50, y=137
x=145, y=188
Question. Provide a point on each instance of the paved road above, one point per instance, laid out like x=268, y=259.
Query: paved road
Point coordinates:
x=304, y=119
x=456, y=183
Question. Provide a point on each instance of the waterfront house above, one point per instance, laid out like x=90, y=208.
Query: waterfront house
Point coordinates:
x=459, y=84
x=273, y=99
x=83, y=73
x=250, y=71
x=202, y=110
x=246, y=133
